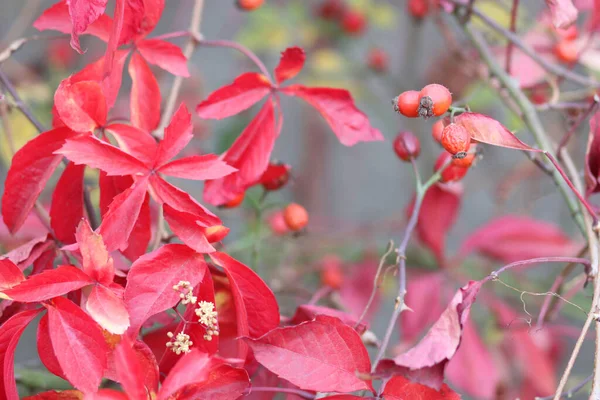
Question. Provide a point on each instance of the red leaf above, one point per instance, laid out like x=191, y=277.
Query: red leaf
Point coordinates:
x=49, y=284
x=223, y=383
x=177, y=135
x=165, y=55
x=29, y=172
x=438, y=213
x=95, y=153
x=145, y=95
x=143, y=17
x=290, y=64
x=83, y=13
x=133, y=21
x=181, y=201
x=115, y=34
x=308, y=312
x=512, y=238
x=78, y=344
x=400, y=388
x=134, y=141
x=199, y=168
x=245, y=91
x=129, y=370
x=10, y=332
x=255, y=304
x=250, y=154
x=97, y=263
x=564, y=13
x=45, y=349
x=123, y=212
x=424, y=295
x=188, y=229
x=57, y=18
x=67, y=203
x=23, y=254
x=321, y=355
x=472, y=368
x=152, y=277
x=348, y=123
x=484, y=129
x=10, y=274
x=107, y=309
x=81, y=105
x=194, y=367
x=440, y=343
x=592, y=156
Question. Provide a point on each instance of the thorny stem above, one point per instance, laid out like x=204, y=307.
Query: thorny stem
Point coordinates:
x=513, y=27
x=187, y=52
x=412, y=223
x=297, y=392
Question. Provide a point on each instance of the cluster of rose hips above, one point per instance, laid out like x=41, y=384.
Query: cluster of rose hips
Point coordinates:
x=351, y=21
x=566, y=48
x=434, y=101
x=249, y=5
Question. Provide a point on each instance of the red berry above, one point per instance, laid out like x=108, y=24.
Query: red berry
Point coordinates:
x=277, y=223
x=407, y=103
x=354, y=22
x=331, y=10
x=295, y=216
x=418, y=8
x=332, y=274
x=437, y=129
x=407, y=146
x=567, y=51
x=216, y=233
x=236, y=201
x=434, y=100
x=275, y=176
x=466, y=161
x=570, y=33
x=451, y=172
x=249, y=5
x=378, y=60
x=456, y=140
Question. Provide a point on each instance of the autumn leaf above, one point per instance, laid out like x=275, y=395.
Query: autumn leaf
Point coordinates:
x=485, y=129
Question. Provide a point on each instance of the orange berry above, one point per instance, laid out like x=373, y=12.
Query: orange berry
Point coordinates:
x=277, y=223
x=434, y=100
x=466, y=161
x=354, y=22
x=332, y=274
x=437, y=129
x=566, y=51
x=295, y=216
x=236, y=201
x=249, y=5
x=418, y=8
x=407, y=146
x=407, y=104
x=456, y=140
x=451, y=172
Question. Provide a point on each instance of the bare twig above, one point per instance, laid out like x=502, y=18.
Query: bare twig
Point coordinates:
x=513, y=27
x=244, y=50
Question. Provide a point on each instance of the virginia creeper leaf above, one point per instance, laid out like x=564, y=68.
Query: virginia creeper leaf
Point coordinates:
x=10, y=274
x=97, y=263
x=45, y=349
x=145, y=95
x=81, y=105
x=165, y=55
x=400, y=388
x=67, y=203
x=200, y=168
x=290, y=64
x=129, y=370
x=57, y=18
x=106, y=308
x=83, y=13
x=177, y=135
x=49, y=284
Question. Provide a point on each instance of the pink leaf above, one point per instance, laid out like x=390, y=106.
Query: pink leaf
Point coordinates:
x=194, y=367
x=57, y=18
x=129, y=370
x=181, y=201
x=115, y=34
x=199, y=168
x=67, y=203
x=119, y=220
x=133, y=20
x=152, y=277
x=308, y=312
x=438, y=213
x=78, y=344
x=10, y=332
x=512, y=238
x=348, y=123
x=290, y=64
x=245, y=91
x=223, y=383
x=424, y=296
x=45, y=349
x=29, y=172
x=49, y=284
x=484, y=129
x=83, y=13
x=10, y=274
x=188, y=229
x=95, y=153
x=107, y=309
x=255, y=303
x=564, y=13
x=134, y=141
x=250, y=154
x=145, y=95
x=177, y=135
x=81, y=105
x=400, y=388
x=165, y=55
x=321, y=355
x=97, y=263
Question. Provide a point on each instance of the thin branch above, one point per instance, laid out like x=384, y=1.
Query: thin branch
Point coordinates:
x=590, y=110
x=513, y=28
x=242, y=49
x=540, y=260
x=19, y=102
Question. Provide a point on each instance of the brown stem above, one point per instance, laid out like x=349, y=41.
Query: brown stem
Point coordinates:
x=513, y=27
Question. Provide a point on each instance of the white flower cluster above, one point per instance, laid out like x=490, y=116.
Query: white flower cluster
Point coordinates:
x=181, y=344
x=207, y=316
x=185, y=292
